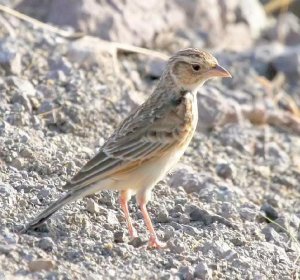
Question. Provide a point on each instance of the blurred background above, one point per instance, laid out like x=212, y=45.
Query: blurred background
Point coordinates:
x=169, y=25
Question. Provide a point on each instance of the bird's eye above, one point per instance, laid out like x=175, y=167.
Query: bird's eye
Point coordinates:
x=196, y=67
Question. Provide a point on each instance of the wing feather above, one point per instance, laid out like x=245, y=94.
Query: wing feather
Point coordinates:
x=141, y=137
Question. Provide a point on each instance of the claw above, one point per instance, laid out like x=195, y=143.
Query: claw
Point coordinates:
x=155, y=243
x=133, y=233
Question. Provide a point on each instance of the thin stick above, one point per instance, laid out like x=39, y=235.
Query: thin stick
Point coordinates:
x=276, y=5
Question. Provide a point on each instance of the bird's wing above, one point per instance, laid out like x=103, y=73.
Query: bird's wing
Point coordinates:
x=144, y=135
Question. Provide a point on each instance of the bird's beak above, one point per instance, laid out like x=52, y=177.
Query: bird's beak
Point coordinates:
x=219, y=71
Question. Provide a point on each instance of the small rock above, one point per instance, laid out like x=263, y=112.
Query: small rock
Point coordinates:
x=119, y=237
x=107, y=198
x=219, y=248
x=87, y=51
x=178, y=208
x=202, y=271
x=7, y=190
x=154, y=67
x=92, y=206
x=46, y=243
x=186, y=273
x=169, y=232
x=271, y=234
x=176, y=246
x=186, y=177
x=6, y=248
x=270, y=211
x=212, y=108
x=238, y=137
x=225, y=170
x=163, y=216
x=282, y=224
x=23, y=100
x=112, y=218
x=191, y=230
x=61, y=64
x=198, y=214
x=248, y=213
x=41, y=264
x=165, y=276
x=288, y=62
x=44, y=194
x=228, y=210
x=46, y=107
x=10, y=61
x=23, y=86
x=276, y=156
x=184, y=219
x=18, y=163
x=137, y=242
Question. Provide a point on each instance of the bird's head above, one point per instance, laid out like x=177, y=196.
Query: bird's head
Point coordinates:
x=190, y=68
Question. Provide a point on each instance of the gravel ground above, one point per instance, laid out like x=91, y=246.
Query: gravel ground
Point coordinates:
x=229, y=210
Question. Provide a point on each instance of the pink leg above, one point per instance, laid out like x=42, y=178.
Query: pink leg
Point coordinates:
x=153, y=240
x=124, y=197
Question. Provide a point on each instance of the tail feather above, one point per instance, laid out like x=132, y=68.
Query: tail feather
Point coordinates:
x=48, y=212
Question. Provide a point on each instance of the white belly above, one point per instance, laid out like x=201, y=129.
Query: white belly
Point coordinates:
x=148, y=174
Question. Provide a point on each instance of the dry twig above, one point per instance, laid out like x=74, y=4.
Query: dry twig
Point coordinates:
x=277, y=5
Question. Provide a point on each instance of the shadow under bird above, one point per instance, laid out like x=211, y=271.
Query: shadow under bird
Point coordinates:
x=148, y=143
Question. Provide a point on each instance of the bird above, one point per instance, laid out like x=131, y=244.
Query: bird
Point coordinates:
x=147, y=143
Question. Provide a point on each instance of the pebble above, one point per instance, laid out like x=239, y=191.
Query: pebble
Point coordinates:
x=23, y=100
x=163, y=216
x=92, y=206
x=269, y=211
x=176, y=246
x=6, y=248
x=184, y=219
x=41, y=264
x=186, y=177
x=288, y=62
x=225, y=170
x=271, y=234
x=218, y=247
x=154, y=67
x=119, y=236
x=186, y=272
x=202, y=271
x=25, y=87
x=10, y=60
x=7, y=190
x=248, y=213
x=112, y=218
x=137, y=242
x=46, y=107
x=46, y=243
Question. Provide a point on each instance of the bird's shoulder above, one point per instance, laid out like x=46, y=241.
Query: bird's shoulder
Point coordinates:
x=166, y=110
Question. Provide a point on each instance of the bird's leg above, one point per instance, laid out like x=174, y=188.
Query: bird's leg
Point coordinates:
x=153, y=240
x=124, y=197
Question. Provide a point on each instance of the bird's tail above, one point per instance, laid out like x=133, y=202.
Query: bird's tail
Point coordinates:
x=48, y=212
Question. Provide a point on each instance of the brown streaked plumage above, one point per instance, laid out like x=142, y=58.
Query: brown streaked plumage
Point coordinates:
x=148, y=142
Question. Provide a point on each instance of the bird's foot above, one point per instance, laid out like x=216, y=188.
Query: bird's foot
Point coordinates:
x=155, y=243
x=133, y=233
